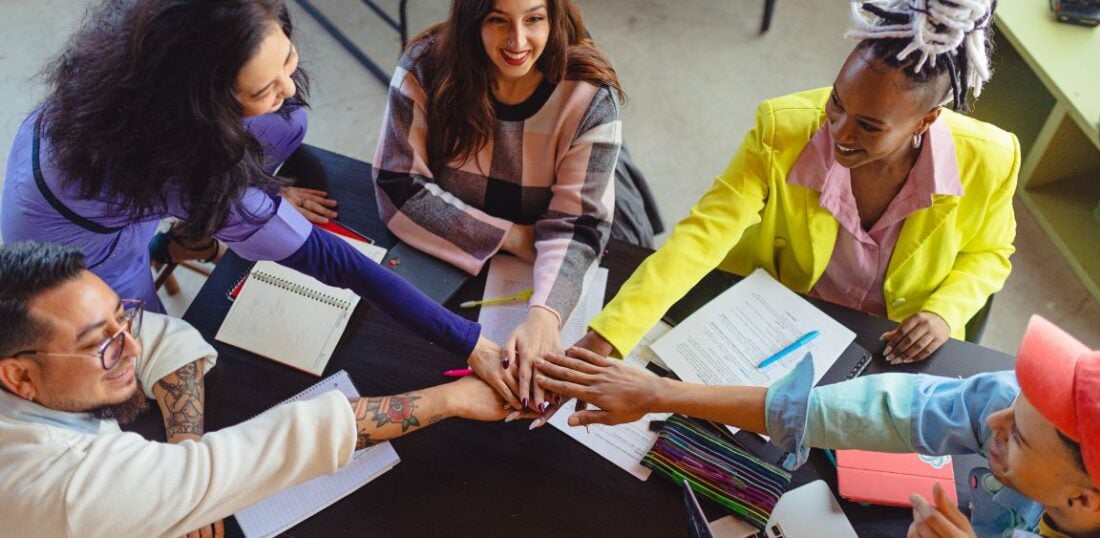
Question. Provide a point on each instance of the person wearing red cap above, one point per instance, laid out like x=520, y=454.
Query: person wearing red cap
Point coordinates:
x=1037, y=426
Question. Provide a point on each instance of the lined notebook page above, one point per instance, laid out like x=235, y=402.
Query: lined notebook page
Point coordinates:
x=291, y=506
x=288, y=317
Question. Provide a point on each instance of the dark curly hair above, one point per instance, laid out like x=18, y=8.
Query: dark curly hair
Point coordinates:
x=143, y=107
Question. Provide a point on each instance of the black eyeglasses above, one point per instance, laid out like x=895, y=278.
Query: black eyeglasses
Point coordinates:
x=110, y=350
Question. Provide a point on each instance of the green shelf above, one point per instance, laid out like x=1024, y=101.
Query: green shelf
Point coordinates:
x=1065, y=210
x=1045, y=90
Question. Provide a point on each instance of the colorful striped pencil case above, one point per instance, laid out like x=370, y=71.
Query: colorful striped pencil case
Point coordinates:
x=739, y=481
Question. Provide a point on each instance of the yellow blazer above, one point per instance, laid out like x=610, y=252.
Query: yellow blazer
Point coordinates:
x=949, y=257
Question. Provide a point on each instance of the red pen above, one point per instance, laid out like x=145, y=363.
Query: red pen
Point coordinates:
x=459, y=373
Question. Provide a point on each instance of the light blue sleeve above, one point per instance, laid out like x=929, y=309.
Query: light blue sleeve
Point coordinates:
x=785, y=410
x=885, y=413
x=951, y=414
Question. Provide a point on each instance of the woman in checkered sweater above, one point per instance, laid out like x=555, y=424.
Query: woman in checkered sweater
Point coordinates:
x=501, y=133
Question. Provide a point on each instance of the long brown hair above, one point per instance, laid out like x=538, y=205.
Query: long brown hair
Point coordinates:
x=460, y=111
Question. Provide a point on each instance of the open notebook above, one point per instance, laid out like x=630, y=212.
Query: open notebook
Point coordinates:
x=289, y=507
x=288, y=317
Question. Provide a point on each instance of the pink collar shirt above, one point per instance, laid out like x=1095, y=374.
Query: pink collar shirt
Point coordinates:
x=857, y=269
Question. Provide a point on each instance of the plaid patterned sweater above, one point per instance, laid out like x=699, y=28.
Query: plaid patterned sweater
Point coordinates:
x=550, y=162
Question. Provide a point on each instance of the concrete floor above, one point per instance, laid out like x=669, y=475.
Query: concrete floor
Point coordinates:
x=693, y=73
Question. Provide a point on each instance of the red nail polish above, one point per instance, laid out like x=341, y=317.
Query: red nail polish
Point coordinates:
x=505, y=362
x=524, y=402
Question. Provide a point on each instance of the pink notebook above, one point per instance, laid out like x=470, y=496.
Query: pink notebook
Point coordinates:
x=889, y=479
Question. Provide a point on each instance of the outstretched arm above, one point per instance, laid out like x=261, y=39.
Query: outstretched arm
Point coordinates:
x=170, y=490
x=625, y=394
x=885, y=413
x=570, y=236
x=698, y=244
x=380, y=418
x=336, y=263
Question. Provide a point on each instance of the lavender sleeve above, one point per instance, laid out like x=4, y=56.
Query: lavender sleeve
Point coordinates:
x=279, y=133
x=334, y=262
x=268, y=228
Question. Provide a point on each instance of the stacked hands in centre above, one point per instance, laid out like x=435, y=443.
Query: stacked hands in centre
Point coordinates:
x=537, y=384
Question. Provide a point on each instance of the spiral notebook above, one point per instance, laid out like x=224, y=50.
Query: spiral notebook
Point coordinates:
x=288, y=317
x=291, y=506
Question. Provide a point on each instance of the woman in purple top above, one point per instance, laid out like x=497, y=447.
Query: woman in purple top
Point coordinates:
x=184, y=108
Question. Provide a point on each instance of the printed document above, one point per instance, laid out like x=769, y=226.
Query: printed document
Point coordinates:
x=625, y=444
x=723, y=342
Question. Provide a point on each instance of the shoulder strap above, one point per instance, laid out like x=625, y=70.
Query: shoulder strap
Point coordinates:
x=49, y=195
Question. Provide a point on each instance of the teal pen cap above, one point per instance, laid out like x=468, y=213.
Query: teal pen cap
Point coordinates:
x=806, y=338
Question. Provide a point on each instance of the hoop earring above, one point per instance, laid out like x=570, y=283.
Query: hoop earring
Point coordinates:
x=917, y=140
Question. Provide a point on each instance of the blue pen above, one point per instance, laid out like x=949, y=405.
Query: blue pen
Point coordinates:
x=787, y=350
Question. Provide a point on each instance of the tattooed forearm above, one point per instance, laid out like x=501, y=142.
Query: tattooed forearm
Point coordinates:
x=375, y=415
x=364, y=440
x=181, y=396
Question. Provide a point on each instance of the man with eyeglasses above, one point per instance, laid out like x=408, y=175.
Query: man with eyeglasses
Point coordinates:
x=76, y=361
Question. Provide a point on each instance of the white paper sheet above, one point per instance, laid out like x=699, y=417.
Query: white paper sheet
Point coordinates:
x=374, y=252
x=723, y=342
x=291, y=506
x=509, y=275
x=625, y=444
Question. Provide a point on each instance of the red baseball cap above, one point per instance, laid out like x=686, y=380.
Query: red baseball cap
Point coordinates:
x=1060, y=376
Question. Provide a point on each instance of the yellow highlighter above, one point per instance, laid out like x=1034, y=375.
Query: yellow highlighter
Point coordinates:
x=521, y=296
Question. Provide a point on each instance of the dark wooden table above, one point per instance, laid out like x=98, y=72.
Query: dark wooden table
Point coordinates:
x=465, y=478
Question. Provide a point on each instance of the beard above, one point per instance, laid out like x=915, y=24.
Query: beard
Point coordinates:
x=126, y=411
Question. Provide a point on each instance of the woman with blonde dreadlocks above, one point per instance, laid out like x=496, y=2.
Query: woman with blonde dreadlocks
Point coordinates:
x=872, y=193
